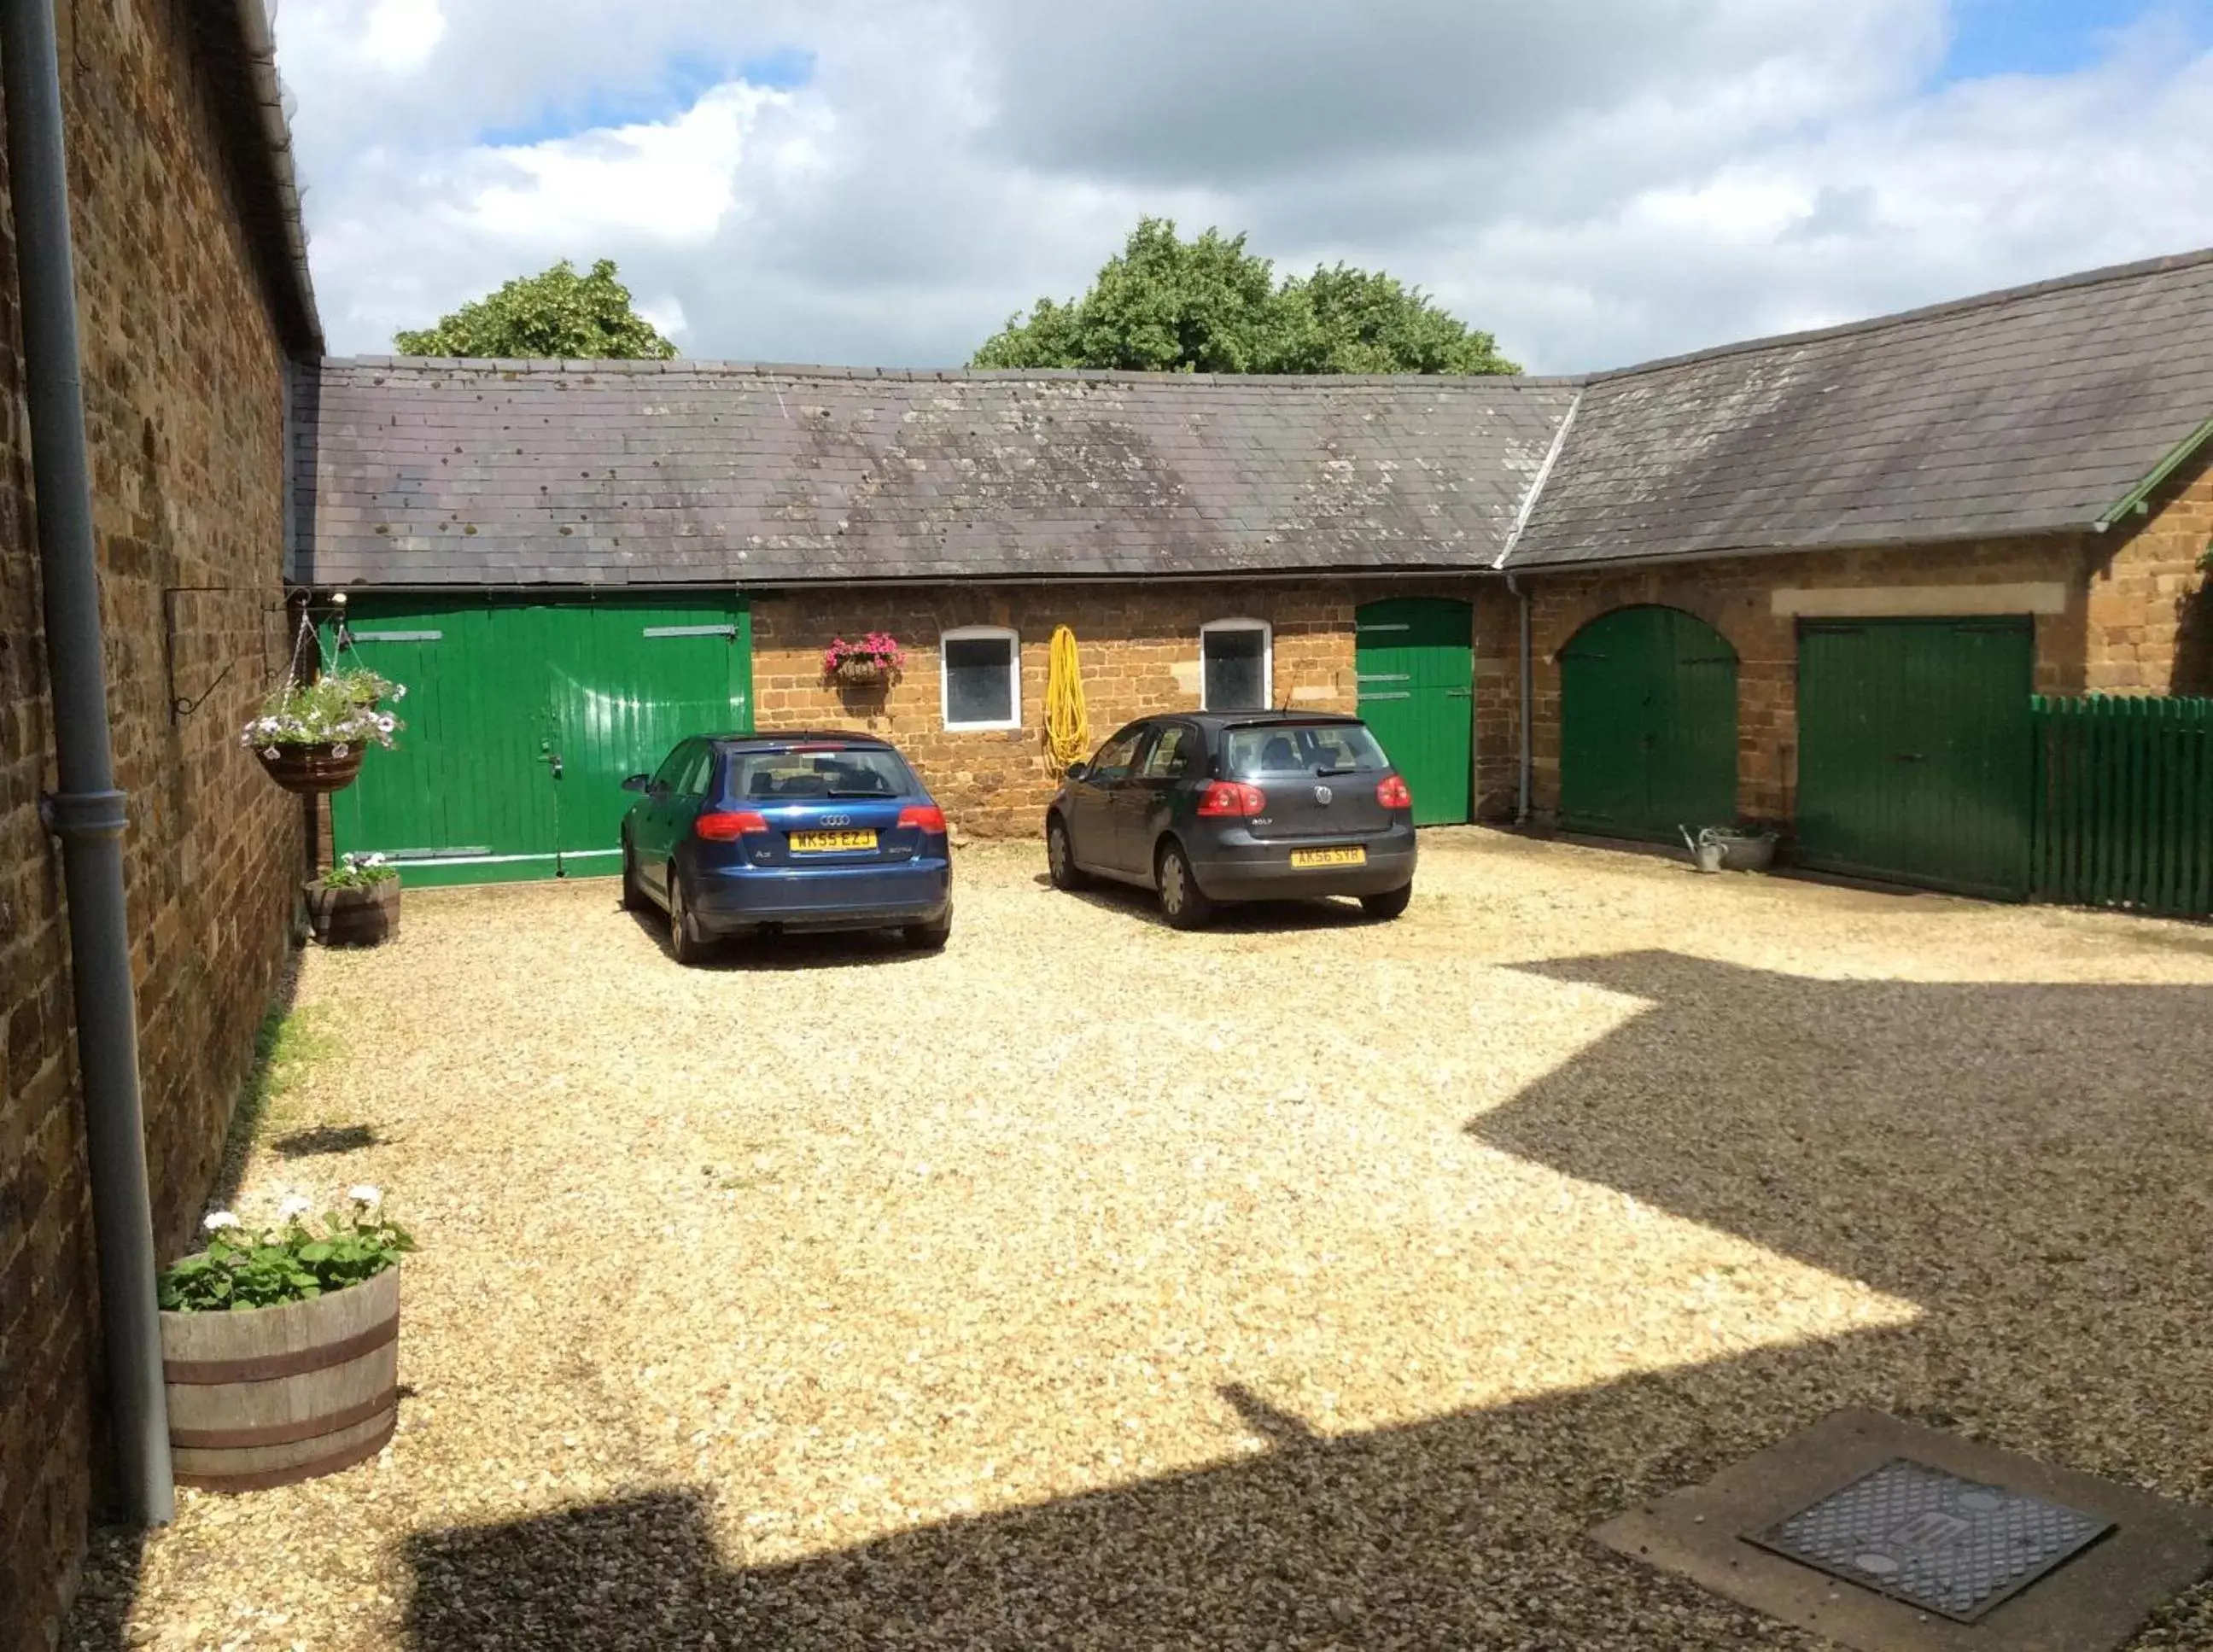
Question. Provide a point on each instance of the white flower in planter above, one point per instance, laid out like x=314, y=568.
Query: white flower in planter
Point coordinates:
x=340, y=749
x=293, y=1206
x=271, y=753
x=216, y=1220
x=365, y=1194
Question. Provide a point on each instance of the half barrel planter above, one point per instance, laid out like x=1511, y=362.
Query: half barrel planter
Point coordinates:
x=271, y=1395
x=360, y=916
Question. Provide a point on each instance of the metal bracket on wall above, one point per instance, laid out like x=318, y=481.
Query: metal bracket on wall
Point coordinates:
x=182, y=705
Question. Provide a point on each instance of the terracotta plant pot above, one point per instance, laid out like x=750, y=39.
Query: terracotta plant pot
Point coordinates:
x=271, y=1395
x=859, y=670
x=312, y=769
x=358, y=917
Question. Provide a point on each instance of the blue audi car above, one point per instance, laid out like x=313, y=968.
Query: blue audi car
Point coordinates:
x=735, y=834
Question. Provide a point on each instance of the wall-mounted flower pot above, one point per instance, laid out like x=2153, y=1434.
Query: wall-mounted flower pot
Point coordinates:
x=312, y=769
x=271, y=1395
x=863, y=671
x=360, y=916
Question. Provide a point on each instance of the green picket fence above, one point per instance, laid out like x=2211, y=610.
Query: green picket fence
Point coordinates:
x=2124, y=803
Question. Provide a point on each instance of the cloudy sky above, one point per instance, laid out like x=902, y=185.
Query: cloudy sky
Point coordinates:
x=1596, y=181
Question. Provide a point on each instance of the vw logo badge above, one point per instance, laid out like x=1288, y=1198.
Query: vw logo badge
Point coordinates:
x=837, y=820
x=1323, y=794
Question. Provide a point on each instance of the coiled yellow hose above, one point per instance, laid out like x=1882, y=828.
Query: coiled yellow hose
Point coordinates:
x=1067, y=731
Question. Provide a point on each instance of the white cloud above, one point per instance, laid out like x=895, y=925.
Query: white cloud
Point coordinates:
x=1595, y=181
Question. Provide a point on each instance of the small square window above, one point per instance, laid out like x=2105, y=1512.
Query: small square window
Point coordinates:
x=981, y=671
x=1235, y=657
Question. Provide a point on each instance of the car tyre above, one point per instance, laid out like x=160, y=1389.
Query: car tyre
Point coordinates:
x=1060, y=856
x=633, y=891
x=930, y=937
x=1389, y=904
x=1183, y=903
x=685, y=944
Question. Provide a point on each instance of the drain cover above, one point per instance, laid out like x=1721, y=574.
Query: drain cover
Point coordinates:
x=1950, y=1545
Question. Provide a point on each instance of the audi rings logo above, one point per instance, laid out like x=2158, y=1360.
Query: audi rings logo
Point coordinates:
x=1323, y=796
x=837, y=820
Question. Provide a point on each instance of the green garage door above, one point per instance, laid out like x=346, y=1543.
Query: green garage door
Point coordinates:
x=1415, y=662
x=522, y=719
x=1648, y=725
x=1915, y=759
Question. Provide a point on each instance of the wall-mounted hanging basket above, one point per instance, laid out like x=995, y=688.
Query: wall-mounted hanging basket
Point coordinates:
x=311, y=771
x=859, y=670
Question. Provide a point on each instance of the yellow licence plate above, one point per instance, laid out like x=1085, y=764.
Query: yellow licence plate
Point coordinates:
x=1353, y=855
x=816, y=842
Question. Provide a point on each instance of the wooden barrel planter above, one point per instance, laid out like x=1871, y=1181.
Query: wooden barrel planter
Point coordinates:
x=273, y=1395
x=312, y=769
x=358, y=917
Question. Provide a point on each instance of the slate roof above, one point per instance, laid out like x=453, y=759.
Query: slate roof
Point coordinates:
x=2031, y=411
x=419, y=473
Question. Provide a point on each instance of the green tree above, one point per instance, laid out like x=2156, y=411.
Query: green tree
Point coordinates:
x=558, y=313
x=1164, y=304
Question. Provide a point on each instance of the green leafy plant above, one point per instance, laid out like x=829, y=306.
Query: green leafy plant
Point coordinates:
x=556, y=313
x=360, y=872
x=295, y=1261
x=339, y=709
x=1206, y=305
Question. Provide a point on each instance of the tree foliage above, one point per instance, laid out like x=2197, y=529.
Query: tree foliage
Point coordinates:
x=1168, y=305
x=556, y=314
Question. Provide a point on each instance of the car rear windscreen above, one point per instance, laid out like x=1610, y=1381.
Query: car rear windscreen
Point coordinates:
x=862, y=771
x=1300, y=748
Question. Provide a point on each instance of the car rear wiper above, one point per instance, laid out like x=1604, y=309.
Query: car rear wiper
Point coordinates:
x=1348, y=768
x=847, y=791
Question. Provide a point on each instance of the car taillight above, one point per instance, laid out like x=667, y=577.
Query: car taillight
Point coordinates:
x=1392, y=793
x=727, y=826
x=923, y=817
x=1232, y=799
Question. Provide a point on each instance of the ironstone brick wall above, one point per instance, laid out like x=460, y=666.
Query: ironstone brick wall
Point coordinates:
x=1734, y=595
x=1140, y=651
x=2151, y=601
x=185, y=409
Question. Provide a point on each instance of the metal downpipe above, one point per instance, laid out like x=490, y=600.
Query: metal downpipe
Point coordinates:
x=1527, y=718
x=87, y=813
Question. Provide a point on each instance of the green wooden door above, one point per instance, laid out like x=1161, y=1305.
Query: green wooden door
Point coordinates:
x=1648, y=725
x=1916, y=751
x=522, y=719
x=1415, y=661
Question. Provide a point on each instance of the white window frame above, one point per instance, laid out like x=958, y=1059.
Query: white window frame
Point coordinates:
x=976, y=634
x=1267, y=659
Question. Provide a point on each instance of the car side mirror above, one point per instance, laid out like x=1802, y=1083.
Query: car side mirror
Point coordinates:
x=1078, y=770
x=634, y=782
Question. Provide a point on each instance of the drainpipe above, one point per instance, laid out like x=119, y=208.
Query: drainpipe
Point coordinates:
x=87, y=813
x=1522, y=806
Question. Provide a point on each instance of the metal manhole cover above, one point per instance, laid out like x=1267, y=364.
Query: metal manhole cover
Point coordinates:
x=1950, y=1545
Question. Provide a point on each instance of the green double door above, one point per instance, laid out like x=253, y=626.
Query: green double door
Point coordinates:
x=1916, y=751
x=1414, y=660
x=522, y=718
x=1648, y=726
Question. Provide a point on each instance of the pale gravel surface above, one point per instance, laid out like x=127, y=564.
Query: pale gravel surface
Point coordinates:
x=1306, y=1284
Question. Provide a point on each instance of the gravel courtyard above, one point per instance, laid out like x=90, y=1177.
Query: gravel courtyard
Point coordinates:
x=1307, y=1283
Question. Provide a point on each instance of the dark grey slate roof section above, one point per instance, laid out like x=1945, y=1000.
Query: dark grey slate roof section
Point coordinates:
x=441, y=472
x=2032, y=411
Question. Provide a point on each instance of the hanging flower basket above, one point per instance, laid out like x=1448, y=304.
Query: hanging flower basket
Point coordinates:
x=874, y=658
x=311, y=771
x=311, y=737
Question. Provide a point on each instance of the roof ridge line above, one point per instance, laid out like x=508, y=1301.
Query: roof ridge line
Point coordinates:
x=1925, y=312
x=717, y=367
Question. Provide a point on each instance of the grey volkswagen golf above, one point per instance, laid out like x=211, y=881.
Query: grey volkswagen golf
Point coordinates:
x=1212, y=807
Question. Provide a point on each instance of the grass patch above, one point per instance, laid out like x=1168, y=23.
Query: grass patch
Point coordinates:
x=290, y=1043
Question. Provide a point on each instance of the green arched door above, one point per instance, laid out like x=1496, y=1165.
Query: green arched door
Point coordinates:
x=1414, y=657
x=1648, y=725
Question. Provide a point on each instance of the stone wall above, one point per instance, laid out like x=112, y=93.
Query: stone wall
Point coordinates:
x=1140, y=653
x=1738, y=597
x=2151, y=601
x=185, y=410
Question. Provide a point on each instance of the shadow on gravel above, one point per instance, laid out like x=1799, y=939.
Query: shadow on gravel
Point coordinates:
x=1243, y=918
x=2031, y=1165
x=834, y=949
x=324, y=1139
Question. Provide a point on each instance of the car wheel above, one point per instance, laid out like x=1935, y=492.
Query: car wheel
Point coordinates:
x=1389, y=904
x=930, y=937
x=685, y=940
x=1060, y=856
x=633, y=892
x=1183, y=903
